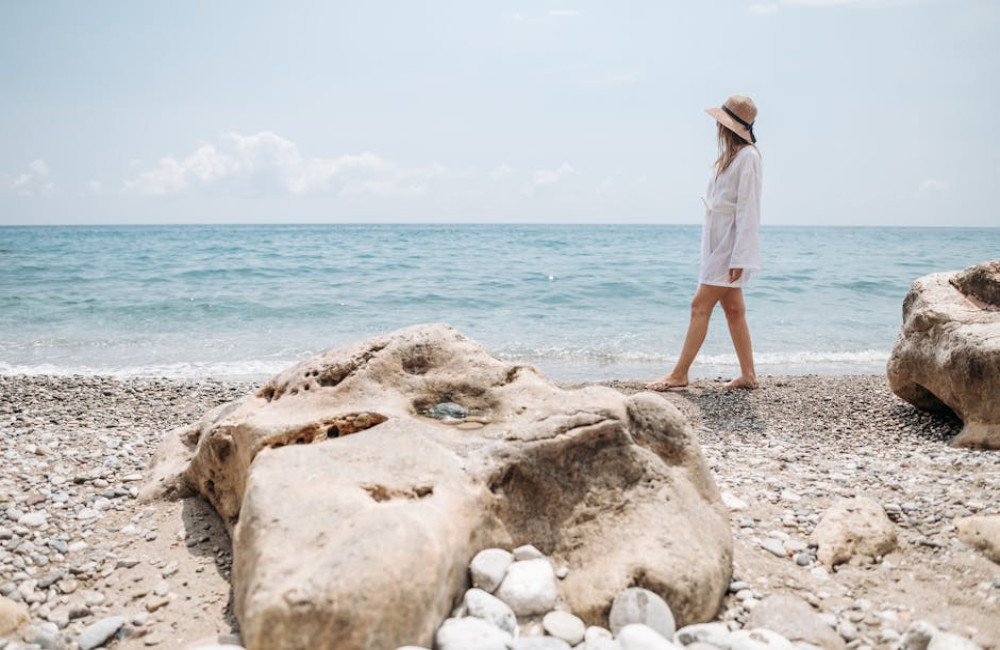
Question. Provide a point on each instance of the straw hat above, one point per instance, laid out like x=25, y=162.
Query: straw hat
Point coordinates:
x=737, y=115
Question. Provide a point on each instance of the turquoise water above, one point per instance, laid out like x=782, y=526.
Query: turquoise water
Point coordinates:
x=580, y=302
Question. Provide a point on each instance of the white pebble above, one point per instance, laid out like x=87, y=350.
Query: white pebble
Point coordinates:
x=641, y=606
x=471, y=632
x=636, y=636
x=565, y=626
x=488, y=568
x=529, y=587
x=527, y=552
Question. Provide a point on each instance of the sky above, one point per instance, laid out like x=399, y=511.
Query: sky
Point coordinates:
x=871, y=112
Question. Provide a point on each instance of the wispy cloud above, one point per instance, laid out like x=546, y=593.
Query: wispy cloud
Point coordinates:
x=533, y=17
x=266, y=163
x=835, y=3
x=931, y=186
x=502, y=171
x=546, y=177
x=767, y=7
x=34, y=181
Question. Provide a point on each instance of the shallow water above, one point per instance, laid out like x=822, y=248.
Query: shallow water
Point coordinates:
x=580, y=302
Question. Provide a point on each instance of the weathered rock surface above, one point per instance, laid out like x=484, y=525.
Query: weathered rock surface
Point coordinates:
x=12, y=615
x=853, y=527
x=981, y=533
x=354, y=515
x=794, y=619
x=947, y=355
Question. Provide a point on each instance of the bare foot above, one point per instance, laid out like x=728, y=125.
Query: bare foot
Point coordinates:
x=748, y=383
x=665, y=384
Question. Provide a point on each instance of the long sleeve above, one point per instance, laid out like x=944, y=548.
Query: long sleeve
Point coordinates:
x=746, y=247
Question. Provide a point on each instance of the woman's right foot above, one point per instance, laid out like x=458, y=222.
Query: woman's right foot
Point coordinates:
x=665, y=384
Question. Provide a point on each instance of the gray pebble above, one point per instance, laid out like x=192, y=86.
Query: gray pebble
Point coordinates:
x=99, y=633
x=641, y=606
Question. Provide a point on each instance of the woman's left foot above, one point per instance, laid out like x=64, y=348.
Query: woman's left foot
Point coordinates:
x=746, y=383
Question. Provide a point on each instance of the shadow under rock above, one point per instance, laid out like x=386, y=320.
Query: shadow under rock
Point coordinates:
x=207, y=537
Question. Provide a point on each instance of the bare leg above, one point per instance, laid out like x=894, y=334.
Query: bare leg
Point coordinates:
x=704, y=301
x=732, y=303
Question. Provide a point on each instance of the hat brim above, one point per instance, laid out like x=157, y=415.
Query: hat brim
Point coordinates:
x=723, y=118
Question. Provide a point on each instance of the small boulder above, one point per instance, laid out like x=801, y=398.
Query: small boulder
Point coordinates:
x=947, y=355
x=851, y=527
x=981, y=533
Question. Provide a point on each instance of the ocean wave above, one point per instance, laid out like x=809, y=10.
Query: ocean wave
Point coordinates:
x=255, y=370
x=783, y=358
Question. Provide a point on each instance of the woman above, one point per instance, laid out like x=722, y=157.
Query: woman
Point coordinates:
x=730, y=250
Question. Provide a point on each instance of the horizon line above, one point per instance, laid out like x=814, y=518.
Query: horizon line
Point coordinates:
x=159, y=224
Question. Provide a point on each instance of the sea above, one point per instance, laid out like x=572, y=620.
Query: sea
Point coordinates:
x=580, y=302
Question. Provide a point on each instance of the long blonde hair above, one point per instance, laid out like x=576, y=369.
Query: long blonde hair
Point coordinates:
x=729, y=145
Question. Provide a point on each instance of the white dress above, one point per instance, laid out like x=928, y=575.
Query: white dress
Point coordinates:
x=730, y=237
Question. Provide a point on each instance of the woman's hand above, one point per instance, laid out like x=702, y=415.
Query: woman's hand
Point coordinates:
x=734, y=275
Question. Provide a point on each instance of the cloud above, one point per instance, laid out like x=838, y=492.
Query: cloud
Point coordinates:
x=546, y=177
x=266, y=163
x=931, y=186
x=503, y=171
x=33, y=182
x=836, y=3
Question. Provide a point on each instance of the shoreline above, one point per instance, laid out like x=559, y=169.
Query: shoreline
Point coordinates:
x=75, y=449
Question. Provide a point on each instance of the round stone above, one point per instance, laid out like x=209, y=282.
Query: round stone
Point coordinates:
x=540, y=643
x=489, y=567
x=471, y=632
x=565, y=626
x=491, y=609
x=636, y=636
x=96, y=635
x=527, y=552
x=33, y=519
x=641, y=606
x=529, y=587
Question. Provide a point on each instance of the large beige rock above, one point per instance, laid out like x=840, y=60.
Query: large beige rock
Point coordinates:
x=947, y=355
x=853, y=527
x=981, y=533
x=354, y=516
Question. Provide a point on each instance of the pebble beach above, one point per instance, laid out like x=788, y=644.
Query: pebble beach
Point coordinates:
x=97, y=568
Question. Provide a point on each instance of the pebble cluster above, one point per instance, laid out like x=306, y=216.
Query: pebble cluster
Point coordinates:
x=514, y=604
x=91, y=567
x=78, y=554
